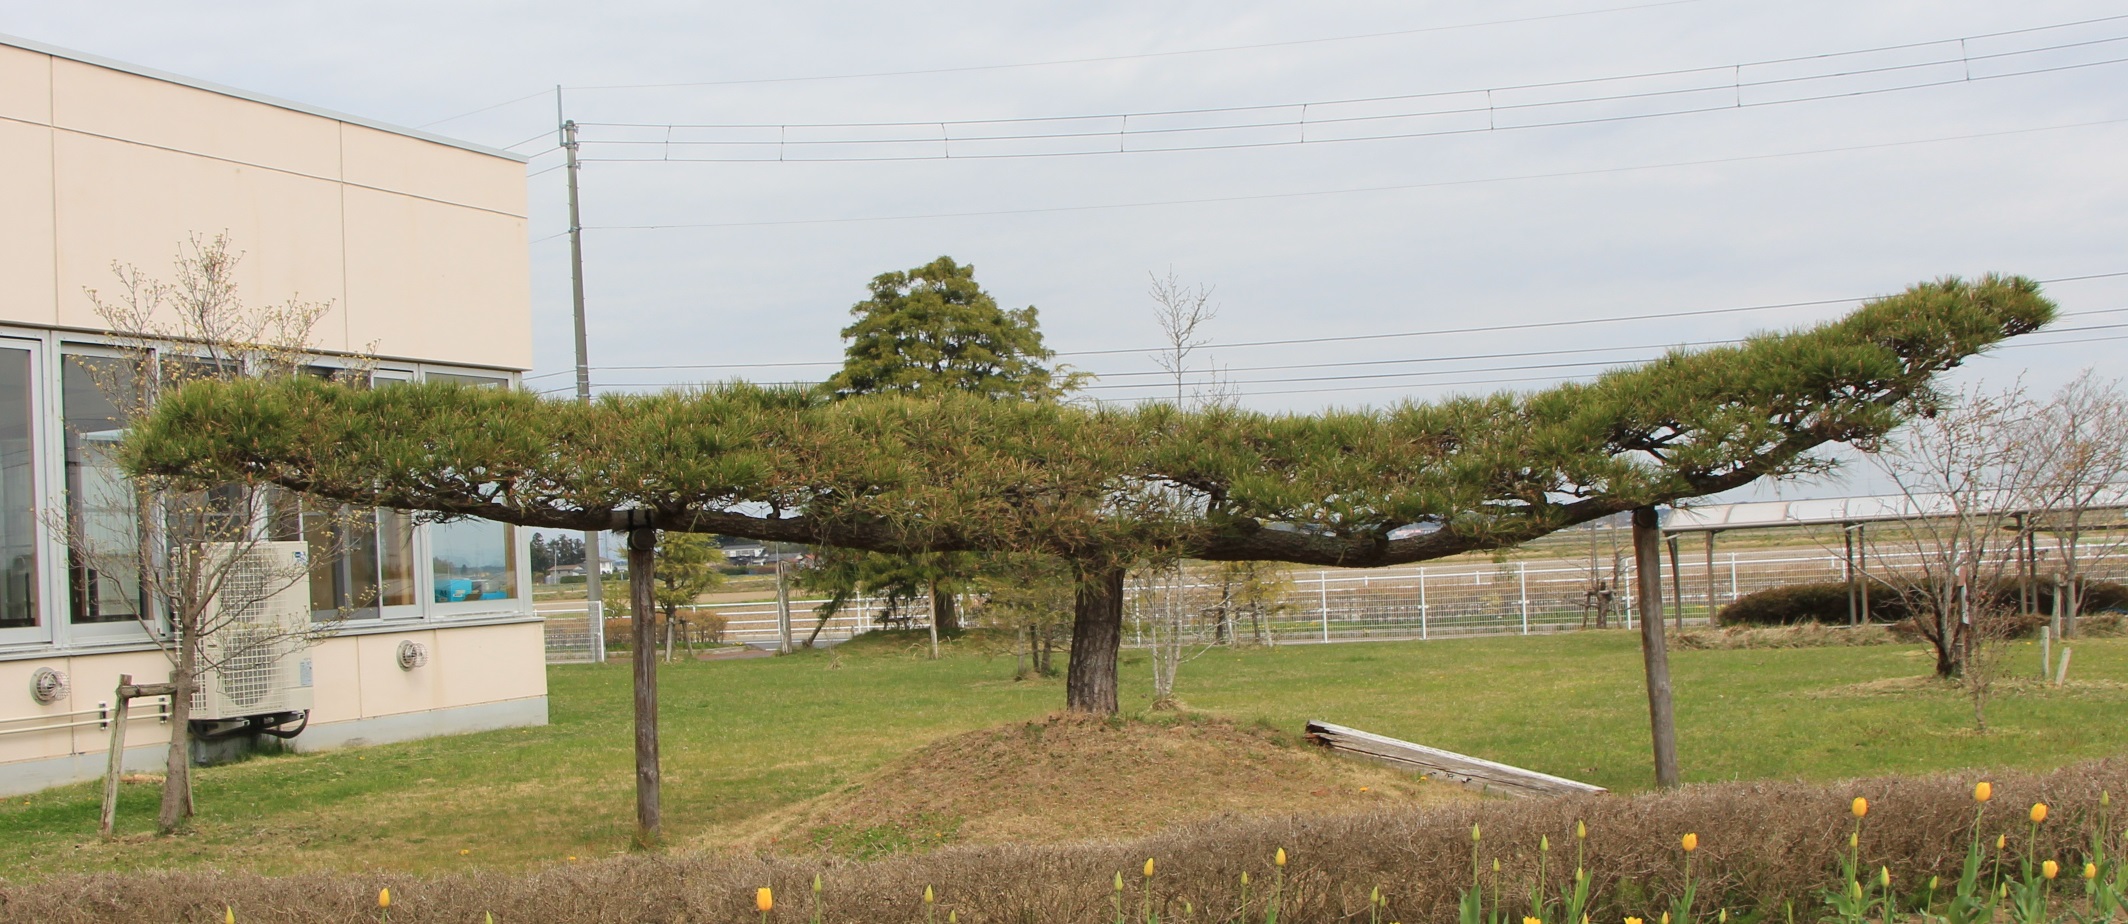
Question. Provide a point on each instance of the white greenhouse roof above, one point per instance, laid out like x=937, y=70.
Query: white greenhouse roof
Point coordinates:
x=1870, y=508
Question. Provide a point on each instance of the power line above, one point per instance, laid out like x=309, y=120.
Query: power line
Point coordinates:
x=936, y=137
x=1399, y=187
x=1519, y=354
x=1133, y=57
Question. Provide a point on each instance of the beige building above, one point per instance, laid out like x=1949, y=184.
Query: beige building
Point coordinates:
x=418, y=243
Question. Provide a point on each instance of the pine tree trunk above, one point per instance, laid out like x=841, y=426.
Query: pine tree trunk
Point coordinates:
x=642, y=544
x=1096, y=639
x=177, y=768
x=945, y=611
x=1655, y=655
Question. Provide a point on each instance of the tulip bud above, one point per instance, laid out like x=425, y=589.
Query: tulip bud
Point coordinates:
x=1280, y=859
x=1544, y=843
x=1530, y=920
x=228, y=915
x=1853, y=839
x=929, y=898
x=1148, y=867
x=764, y=900
x=1982, y=791
x=2039, y=812
x=1474, y=832
x=1496, y=864
x=384, y=897
x=1884, y=877
x=2090, y=871
x=1119, y=883
x=2050, y=869
x=816, y=883
x=2105, y=798
x=1860, y=807
x=1933, y=880
x=953, y=917
x=1244, y=879
x=1375, y=897
x=1690, y=842
x=1581, y=830
x=2002, y=841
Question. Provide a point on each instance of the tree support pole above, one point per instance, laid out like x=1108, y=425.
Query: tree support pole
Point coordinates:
x=1662, y=720
x=642, y=565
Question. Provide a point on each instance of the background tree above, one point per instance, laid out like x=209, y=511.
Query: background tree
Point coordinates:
x=932, y=329
x=686, y=569
x=926, y=332
x=170, y=549
x=2080, y=435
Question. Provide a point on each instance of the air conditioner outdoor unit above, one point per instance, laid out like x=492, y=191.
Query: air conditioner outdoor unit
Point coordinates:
x=258, y=649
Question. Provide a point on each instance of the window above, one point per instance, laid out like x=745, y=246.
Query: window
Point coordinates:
x=473, y=560
x=103, y=508
x=18, y=546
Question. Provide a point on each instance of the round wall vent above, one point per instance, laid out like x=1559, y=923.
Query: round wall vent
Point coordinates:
x=47, y=686
x=412, y=655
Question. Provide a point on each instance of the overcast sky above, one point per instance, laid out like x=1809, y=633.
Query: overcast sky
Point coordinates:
x=1802, y=177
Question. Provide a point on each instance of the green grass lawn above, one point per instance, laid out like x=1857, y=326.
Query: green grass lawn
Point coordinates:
x=743, y=738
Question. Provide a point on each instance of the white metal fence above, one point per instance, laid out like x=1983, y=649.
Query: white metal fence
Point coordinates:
x=1410, y=602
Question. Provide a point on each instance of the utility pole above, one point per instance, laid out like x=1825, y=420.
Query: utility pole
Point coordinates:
x=594, y=559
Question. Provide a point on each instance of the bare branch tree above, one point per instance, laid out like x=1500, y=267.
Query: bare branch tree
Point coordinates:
x=193, y=567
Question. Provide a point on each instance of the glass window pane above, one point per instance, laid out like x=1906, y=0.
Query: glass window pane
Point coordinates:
x=103, y=509
x=473, y=560
x=493, y=381
x=18, y=548
x=395, y=546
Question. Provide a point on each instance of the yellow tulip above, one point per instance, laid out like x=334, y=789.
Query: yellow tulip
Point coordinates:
x=1982, y=792
x=1634, y=920
x=229, y=914
x=2090, y=871
x=1375, y=897
x=384, y=898
x=1474, y=832
x=1690, y=842
x=1280, y=859
x=1119, y=884
x=1544, y=843
x=1244, y=879
x=1666, y=917
x=2050, y=869
x=1884, y=877
x=1530, y=920
x=2039, y=812
x=953, y=917
x=1148, y=867
x=764, y=900
x=816, y=883
x=2002, y=841
x=1496, y=864
x=464, y=852
x=929, y=898
x=2105, y=798
x=1581, y=830
x=1854, y=839
x=1860, y=807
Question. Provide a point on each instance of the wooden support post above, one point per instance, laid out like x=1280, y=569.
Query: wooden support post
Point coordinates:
x=642, y=567
x=117, y=761
x=1677, y=583
x=1847, y=561
x=121, y=704
x=1862, y=569
x=1710, y=578
x=783, y=609
x=1662, y=719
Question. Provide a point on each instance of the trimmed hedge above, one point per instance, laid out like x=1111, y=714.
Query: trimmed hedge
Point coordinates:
x=1826, y=603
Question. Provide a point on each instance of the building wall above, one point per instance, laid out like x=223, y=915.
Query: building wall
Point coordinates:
x=418, y=245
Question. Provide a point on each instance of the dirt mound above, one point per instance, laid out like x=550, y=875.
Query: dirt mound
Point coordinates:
x=1071, y=778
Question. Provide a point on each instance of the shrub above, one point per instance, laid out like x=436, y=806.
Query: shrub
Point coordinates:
x=1793, y=604
x=1827, y=603
x=1762, y=845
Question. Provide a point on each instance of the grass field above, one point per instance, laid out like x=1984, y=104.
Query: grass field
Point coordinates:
x=746, y=737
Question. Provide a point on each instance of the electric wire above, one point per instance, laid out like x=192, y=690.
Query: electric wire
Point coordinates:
x=1398, y=187
x=1128, y=57
x=1301, y=119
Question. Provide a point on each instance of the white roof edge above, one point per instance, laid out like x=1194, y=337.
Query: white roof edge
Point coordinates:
x=275, y=101
x=1866, y=508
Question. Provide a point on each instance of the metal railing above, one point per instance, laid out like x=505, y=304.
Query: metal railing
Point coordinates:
x=1409, y=602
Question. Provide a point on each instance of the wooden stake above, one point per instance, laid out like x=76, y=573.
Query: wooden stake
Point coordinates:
x=1662, y=720
x=117, y=762
x=642, y=565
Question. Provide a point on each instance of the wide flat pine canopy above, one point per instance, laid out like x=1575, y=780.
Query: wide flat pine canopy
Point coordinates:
x=1356, y=488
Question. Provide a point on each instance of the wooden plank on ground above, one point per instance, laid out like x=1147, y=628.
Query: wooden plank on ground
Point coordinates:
x=1474, y=772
